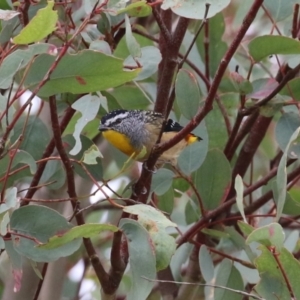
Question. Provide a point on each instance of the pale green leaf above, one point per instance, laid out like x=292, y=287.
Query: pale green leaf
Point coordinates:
x=82, y=231
x=147, y=215
x=149, y=60
x=84, y=72
x=264, y=46
x=90, y=155
x=239, y=188
x=206, y=264
x=132, y=44
x=269, y=235
x=8, y=14
x=162, y=181
x=188, y=94
x=88, y=106
x=10, y=199
x=281, y=178
x=137, y=9
x=194, y=9
x=139, y=248
x=41, y=25
x=40, y=223
x=228, y=276
x=4, y=224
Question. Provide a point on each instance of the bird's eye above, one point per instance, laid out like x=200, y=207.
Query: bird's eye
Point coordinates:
x=118, y=121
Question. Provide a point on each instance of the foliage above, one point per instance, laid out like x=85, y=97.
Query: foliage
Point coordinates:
x=223, y=223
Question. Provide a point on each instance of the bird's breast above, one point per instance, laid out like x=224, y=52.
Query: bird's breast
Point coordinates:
x=120, y=141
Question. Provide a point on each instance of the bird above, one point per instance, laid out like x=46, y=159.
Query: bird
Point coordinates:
x=135, y=132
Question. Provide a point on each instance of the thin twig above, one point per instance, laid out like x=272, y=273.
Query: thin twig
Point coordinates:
x=205, y=284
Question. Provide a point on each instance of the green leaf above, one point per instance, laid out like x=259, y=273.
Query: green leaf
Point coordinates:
x=241, y=85
x=206, y=264
x=281, y=178
x=82, y=231
x=280, y=10
x=23, y=157
x=262, y=88
x=263, y=46
x=215, y=233
x=2, y=243
x=9, y=111
x=165, y=247
x=166, y=201
x=245, y=228
x=228, y=276
x=292, y=202
x=41, y=25
x=18, y=60
x=90, y=155
x=273, y=106
x=187, y=92
x=192, y=211
x=95, y=169
x=162, y=181
x=41, y=223
x=213, y=179
x=192, y=157
x=84, y=72
x=88, y=106
x=155, y=223
x=4, y=5
x=7, y=29
x=149, y=216
x=285, y=127
x=239, y=241
x=216, y=129
x=194, y=9
x=149, y=61
x=130, y=97
x=141, y=259
x=16, y=261
x=90, y=130
x=36, y=270
x=272, y=285
x=132, y=44
x=137, y=9
x=10, y=200
x=116, y=5
x=8, y=14
x=239, y=187
x=103, y=24
x=4, y=225
x=15, y=258
x=36, y=133
x=292, y=89
x=54, y=173
x=269, y=235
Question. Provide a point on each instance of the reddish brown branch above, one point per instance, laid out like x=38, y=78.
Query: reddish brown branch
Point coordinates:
x=254, y=139
x=99, y=270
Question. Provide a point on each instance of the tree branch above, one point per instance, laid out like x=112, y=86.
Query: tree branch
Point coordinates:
x=95, y=261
